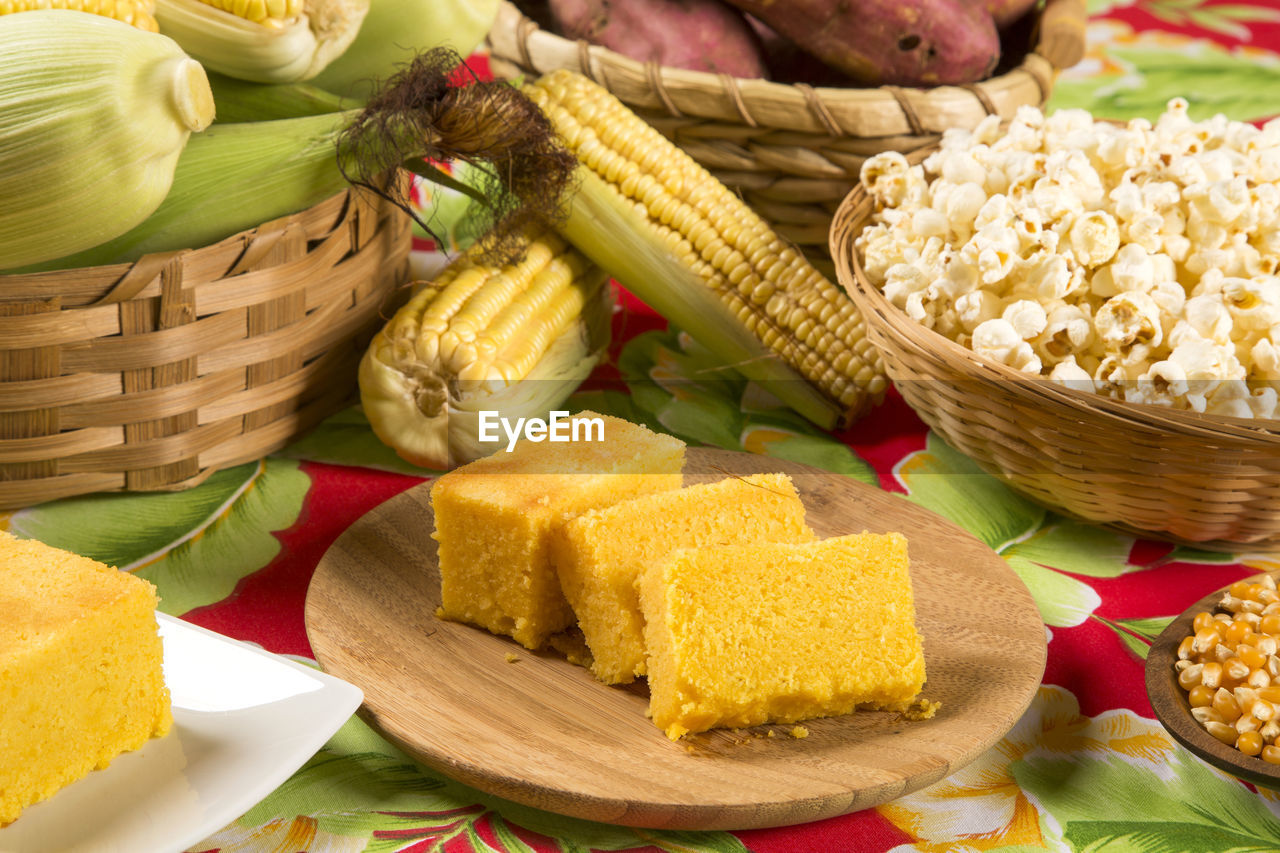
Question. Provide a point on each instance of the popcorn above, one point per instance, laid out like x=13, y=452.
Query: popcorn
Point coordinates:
x=1027, y=318
x=1141, y=262
x=998, y=340
x=1094, y=238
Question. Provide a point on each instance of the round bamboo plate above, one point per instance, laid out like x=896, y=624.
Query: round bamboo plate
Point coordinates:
x=1173, y=710
x=533, y=728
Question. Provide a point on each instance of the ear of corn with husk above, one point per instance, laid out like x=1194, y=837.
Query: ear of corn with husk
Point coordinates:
x=267, y=41
x=394, y=31
x=514, y=339
x=678, y=239
x=110, y=125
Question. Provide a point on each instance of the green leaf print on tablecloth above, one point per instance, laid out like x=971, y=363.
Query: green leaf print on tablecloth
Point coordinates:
x=1128, y=74
x=360, y=793
x=678, y=387
x=1107, y=804
x=1063, y=781
x=345, y=438
x=194, y=545
x=1039, y=545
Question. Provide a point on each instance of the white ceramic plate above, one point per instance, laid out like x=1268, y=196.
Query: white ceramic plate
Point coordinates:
x=244, y=721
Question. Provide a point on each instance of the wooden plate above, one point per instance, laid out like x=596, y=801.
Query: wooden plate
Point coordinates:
x=1173, y=710
x=543, y=732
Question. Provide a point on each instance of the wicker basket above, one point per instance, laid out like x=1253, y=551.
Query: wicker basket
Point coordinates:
x=792, y=151
x=1151, y=471
x=153, y=375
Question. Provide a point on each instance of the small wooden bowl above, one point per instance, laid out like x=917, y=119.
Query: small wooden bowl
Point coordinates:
x=1172, y=709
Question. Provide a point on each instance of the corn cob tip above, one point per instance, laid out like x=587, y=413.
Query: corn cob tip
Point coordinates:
x=192, y=95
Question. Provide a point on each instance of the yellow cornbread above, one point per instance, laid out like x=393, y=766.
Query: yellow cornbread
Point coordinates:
x=742, y=635
x=80, y=669
x=601, y=554
x=495, y=516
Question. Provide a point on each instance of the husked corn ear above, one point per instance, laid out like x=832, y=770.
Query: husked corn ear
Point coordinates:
x=266, y=41
x=515, y=340
x=87, y=95
x=766, y=284
x=135, y=13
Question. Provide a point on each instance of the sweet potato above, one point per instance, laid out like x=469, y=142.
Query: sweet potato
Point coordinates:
x=899, y=42
x=700, y=35
x=787, y=63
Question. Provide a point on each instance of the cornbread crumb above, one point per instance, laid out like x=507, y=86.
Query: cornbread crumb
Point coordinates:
x=80, y=670
x=798, y=732
x=921, y=709
x=742, y=635
x=601, y=554
x=512, y=657
x=494, y=518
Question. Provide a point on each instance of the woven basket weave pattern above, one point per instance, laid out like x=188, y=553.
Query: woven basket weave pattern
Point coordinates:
x=155, y=374
x=1151, y=471
x=793, y=151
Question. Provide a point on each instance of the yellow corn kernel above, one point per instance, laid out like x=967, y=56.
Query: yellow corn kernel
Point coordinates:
x=1225, y=705
x=1250, y=743
x=1236, y=632
x=1225, y=733
x=1206, y=638
x=1190, y=677
x=1235, y=669
x=1184, y=648
x=1211, y=675
x=135, y=13
x=1200, y=696
x=1270, y=754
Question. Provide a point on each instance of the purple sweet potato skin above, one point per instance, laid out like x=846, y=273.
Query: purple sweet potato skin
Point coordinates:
x=889, y=42
x=699, y=35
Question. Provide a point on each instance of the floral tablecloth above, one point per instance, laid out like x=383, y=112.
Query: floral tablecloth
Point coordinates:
x=1086, y=768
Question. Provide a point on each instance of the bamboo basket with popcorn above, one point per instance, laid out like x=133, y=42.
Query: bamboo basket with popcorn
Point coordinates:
x=793, y=151
x=1114, y=445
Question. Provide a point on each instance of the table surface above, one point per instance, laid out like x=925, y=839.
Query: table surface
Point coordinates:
x=1086, y=767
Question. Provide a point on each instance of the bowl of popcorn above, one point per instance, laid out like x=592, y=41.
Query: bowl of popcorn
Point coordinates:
x=1088, y=309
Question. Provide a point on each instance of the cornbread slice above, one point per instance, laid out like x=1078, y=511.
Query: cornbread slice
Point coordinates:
x=80, y=669
x=495, y=516
x=601, y=554
x=742, y=635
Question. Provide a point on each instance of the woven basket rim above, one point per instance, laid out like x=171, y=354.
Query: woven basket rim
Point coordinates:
x=972, y=366
x=681, y=92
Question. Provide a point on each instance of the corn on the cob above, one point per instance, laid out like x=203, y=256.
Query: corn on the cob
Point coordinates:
x=136, y=13
x=266, y=41
x=789, y=311
x=515, y=340
x=91, y=109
